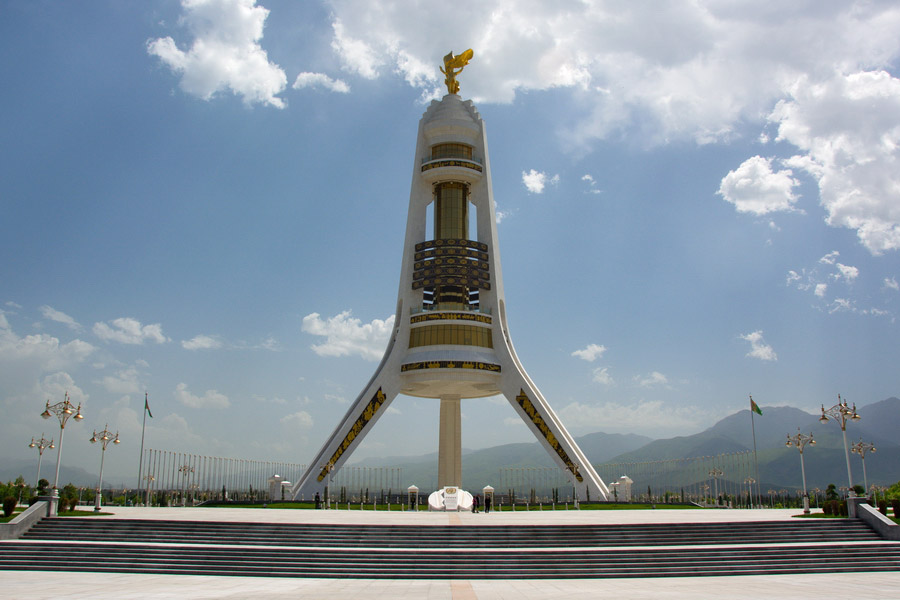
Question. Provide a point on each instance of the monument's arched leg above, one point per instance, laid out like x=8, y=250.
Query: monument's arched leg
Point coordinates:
x=356, y=424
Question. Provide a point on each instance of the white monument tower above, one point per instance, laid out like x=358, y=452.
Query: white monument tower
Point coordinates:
x=450, y=339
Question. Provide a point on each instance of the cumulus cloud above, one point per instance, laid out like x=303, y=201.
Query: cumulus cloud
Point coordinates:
x=755, y=188
x=225, y=53
x=758, y=347
x=202, y=342
x=658, y=73
x=43, y=352
x=210, y=399
x=590, y=353
x=320, y=80
x=601, y=375
x=848, y=129
x=536, y=181
x=60, y=317
x=891, y=284
x=346, y=335
x=126, y=330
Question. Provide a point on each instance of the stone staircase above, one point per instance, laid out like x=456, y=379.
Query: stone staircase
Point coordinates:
x=449, y=552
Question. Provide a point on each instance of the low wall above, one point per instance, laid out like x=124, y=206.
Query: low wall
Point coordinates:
x=883, y=526
x=24, y=521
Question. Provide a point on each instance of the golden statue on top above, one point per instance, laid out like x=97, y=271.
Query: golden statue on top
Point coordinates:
x=453, y=66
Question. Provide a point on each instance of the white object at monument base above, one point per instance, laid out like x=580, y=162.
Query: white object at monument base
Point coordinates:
x=450, y=498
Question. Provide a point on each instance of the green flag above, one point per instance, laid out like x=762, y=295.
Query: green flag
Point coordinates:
x=755, y=407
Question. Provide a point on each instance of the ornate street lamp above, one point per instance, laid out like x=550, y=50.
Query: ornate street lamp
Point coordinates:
x=104, y=437
x=799, y=441
x=185, y=470
x=42, y=444
x=715, y=474
x=62, y=410
x=842, y=413
x=861, y=448
x=750, y=481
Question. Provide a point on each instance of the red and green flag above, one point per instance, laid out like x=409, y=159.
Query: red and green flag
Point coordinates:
x=147, y=406
x=755, y=407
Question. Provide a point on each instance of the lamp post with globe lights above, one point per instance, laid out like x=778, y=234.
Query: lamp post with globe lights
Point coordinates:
x=104, y=437
x=842, y=413
x=799, y=441
x=63, y=411
x=42, y=444
x=861, y=448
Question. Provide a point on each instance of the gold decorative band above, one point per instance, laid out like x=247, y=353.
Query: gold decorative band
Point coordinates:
x=469, y=164
x=363, y=420
x=451, y=242
x=536, y=418
x=451, y=252
x=448, y=316
x=450, y=364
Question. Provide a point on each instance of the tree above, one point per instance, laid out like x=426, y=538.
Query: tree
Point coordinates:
x=831, y=492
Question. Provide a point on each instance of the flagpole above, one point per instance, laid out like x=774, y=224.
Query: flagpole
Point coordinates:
x=141, y=457
x=755, y=458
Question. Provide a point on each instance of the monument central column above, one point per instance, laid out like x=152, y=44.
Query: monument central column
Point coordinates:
x=450, y=443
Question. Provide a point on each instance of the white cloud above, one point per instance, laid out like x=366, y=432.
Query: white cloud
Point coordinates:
x=44, y=352
x=755, y=188
x=758, y=347
x=129, y=331
x=820, y=290
x=346, y=335
x=601, y=375
x=358, y=56
x=60, y=317
x=652, y=380
x=124, y=381
x=592, y=183
x=891, y=284
x=298, y=420
x=211, y=399
x=536, y=181
x=316, y=80
x=848, y=274
x=590, y=353
x=225, y=52
x=661, y=71
x=202, y=342
x=848, y=128
x=830, y=258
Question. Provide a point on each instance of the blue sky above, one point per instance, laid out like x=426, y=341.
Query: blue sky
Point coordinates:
x=206, y=200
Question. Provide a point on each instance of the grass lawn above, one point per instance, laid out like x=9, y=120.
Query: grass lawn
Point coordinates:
x=504, y=508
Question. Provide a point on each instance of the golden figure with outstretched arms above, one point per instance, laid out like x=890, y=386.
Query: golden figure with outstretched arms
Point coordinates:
x=453, y=66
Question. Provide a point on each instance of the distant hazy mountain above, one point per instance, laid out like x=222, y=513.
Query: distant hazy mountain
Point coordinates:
x=779, y=465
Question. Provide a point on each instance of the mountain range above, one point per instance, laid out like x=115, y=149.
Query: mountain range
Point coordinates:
x=779, y=466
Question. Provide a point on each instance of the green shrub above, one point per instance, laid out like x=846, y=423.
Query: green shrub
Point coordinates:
x=895, y=504
x=882, y=507
x=9, y=505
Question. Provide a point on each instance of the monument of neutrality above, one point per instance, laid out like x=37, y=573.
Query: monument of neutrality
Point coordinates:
x=451, y=339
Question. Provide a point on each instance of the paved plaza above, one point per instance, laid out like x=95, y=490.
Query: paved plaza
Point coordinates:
x=38, y=585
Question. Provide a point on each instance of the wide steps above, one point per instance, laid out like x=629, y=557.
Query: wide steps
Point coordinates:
x=479, y=536
x=449, y=552
x=468, y=564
